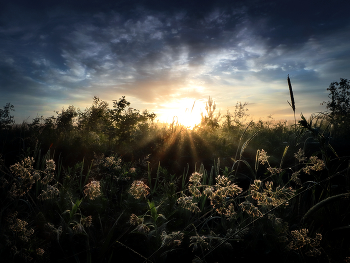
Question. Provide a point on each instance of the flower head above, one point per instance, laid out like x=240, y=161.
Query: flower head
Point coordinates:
x=92, y=190
x=300, y=155
x=139, y=189
x=262, y=157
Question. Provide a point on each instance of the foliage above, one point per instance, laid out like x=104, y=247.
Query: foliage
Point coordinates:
x=6, y=120
x=339, y=106
x=64, y=120
x=235, y=120
x=210, y=120
x=104, y=184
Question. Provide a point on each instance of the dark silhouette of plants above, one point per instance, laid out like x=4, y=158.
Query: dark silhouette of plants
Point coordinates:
x=339, y=105
x=127, y=120
x=209, y=120
x=236, y=120
x=64, y=120
x=197, y=196
x=6, y=120
x=96, y=118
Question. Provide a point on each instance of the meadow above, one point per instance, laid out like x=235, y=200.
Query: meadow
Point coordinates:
x=111, y=184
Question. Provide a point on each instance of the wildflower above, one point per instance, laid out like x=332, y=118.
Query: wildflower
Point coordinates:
x=254, y=190
x=50, y=165
x=256, y=186
x=112, y=163
x=307, y=169
x=142, y=228
x=173, y=239
x=284, y=192
x=208, y=191
x=109, y=161
x=78, y=228
x=135, y=220
x=20, y=227
x=262, y=157
x=186, y=203
x=25, y=175
x=195, y=182
x=24, y=168
x=221, y=180
x=194, y=190
x=269, y=196
x=50, y=193
x=225, y=187
x=229, y=212
x=295, y=178
x=92, y=190
x=139, y=189
x=256, y=195
x=87, y=221
x=219, y=194
x=269, y=185
x=301, y=239
x=198, y=241
x=316, y=165
x=274, y=170
x=49, y=172
x=196, y=178
x=300, y=155
x=40, y=251
x=11, y=217
x=250, y=209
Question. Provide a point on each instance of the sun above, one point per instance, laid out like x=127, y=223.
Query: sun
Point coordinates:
x=185, y=111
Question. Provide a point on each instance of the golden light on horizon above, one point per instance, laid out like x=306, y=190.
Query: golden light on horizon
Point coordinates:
x=185, y=111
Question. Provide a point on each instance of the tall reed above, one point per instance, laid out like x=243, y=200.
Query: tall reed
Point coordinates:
x=292, y=104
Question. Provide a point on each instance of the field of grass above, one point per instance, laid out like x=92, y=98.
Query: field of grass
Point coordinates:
x=102, y=185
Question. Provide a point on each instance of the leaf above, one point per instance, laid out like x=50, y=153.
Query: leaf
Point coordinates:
x=153, y=210
x=75, y=208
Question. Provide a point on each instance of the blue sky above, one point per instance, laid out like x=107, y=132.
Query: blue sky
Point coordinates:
x=165, y=55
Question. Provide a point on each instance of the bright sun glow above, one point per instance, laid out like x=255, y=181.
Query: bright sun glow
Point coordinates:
x=186, y=111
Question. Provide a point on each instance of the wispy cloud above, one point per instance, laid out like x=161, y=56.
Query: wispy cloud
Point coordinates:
x=66, y=54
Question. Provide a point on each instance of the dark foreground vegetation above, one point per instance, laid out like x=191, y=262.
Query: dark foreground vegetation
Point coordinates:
x=112, y=185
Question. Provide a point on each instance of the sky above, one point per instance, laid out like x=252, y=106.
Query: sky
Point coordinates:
x=165, y=56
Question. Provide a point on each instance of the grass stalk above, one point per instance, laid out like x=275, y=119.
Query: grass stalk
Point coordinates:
x=292, y=104
x=323, y=203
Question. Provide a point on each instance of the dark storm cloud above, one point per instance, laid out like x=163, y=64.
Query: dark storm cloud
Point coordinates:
x=148, y=49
